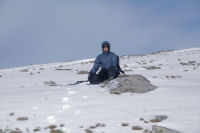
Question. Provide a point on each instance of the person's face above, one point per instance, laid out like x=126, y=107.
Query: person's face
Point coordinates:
x=105, y=49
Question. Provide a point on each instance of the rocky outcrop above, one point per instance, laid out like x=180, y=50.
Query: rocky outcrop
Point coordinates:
x=130, y=83
x=159, y=129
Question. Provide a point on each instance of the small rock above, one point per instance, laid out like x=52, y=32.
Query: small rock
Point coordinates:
x=15, y=131
x=62, y=125
x=92, y=127
x=124, y=124
x=88, y=131
x=56, y=131
x=41, y=68
x=173, y=76
x=52, y=126
x=146, y=122
x=24, y=118
x=192, y=62
x=100, y=125
x=51, y=83
x=136, y=128
x=59, y=69
x=11, y=114
x=82, y=72
x=125, y=66
x=161, y=117
x=142, y=119
x=152, y=67
x=155, y=120
x=36, y=129
x=24, y=70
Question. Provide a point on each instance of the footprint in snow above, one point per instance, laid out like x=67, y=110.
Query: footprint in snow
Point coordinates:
x=66, y=107
x=71, y=92
x=51, y=119
x=77, y=112
x=68, y=89
x=85, y=97
x=34, y=108
x=65, y=99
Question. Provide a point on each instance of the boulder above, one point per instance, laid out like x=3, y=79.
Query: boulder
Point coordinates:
x=130, y=83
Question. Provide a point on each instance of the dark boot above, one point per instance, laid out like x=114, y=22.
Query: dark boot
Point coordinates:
x=112, y=73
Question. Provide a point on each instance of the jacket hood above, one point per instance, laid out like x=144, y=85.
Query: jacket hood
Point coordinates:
x=107, y=44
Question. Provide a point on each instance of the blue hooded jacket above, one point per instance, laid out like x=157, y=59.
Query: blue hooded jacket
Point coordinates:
x=105, y=60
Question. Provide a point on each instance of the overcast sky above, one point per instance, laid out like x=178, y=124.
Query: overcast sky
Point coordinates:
x=44, y=31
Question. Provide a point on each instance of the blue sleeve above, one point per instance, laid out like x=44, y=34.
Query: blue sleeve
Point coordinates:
x=96, y=65
x=114, y=61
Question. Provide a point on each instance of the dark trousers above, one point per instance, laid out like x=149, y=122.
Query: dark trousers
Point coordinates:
x=103, y=75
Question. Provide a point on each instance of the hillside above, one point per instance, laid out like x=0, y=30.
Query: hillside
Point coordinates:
x=37, y=98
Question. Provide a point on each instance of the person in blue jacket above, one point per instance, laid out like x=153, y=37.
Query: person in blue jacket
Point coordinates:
x=108, y=61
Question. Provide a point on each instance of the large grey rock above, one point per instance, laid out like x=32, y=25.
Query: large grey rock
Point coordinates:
x=130, y=83
x=159, y=129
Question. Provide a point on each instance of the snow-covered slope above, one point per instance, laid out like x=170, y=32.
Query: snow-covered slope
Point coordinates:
x=27, y=104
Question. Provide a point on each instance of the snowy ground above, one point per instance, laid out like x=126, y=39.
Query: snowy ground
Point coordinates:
x=76, y=108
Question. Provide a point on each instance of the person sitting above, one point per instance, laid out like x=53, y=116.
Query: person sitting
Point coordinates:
x=108, y=61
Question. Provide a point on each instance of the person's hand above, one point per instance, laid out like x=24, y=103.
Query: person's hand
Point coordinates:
x=90, y=76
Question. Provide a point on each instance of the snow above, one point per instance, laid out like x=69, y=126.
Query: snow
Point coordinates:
x=80, y=106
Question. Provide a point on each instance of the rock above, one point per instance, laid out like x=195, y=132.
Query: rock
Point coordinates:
x=152, y=67
x=15, y=131
x=60, y=69
x=56, y=131
x=83, y=72
x=51, y=83
x=136, y=128
x=159, y=118
x=11, y=114
x=130, y=83
x=159, y=129
x=88, y=131
x=62, y=125
x=124, y=124
x=141, y=119
x=52, y=126
x=24, y=118
x=24, y=70
x=36, y=129
x=92, y=127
